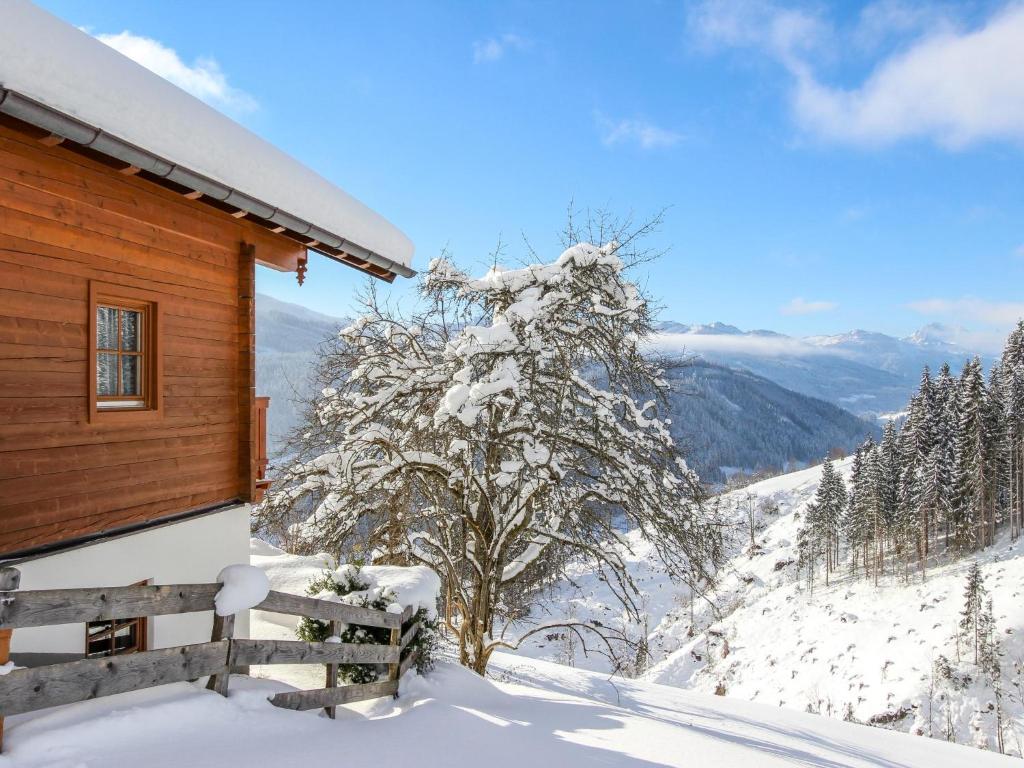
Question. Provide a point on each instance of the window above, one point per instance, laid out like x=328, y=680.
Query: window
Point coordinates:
x=115, y=637
x=124, y=359
x=121, y=356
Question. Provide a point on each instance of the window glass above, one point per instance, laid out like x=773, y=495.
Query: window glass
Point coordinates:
x=130, y=375
x=106, y=374
x=131, y=322
x=124, y=374
x=106, y=328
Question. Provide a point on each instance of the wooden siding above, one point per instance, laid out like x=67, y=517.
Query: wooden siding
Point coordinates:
x=68, y=222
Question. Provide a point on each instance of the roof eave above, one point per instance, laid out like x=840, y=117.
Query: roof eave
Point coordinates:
x=168, y=173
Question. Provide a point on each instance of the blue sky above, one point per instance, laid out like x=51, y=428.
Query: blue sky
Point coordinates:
x=824, y=166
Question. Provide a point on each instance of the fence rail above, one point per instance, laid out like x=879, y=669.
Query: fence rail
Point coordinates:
x=27, y=690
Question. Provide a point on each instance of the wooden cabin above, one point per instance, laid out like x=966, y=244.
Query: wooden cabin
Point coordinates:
x=132, y=220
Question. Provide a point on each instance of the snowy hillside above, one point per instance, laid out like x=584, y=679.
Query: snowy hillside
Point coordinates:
x=728, y=420
x=849, y=650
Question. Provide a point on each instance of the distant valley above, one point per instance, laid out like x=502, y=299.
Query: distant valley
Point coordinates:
x=745, y=401
x=870, y=374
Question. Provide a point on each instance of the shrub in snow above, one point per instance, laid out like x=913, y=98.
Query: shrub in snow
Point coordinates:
x=509, y=425
x=348, y=583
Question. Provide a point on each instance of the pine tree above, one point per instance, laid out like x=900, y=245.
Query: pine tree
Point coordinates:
x=1012, y=362
x=945, y=419
x=854, y=523
x=888, y=492
x=910, y=531
x=969, y=476
x=874, y=512
x=972, y=622
x=996, y=456
x=819, y=536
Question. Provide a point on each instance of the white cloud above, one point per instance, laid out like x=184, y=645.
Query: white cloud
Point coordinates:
x=494, y=48
x=784, y=33
x=644, y=134
x=203, y=78
x=954, y=86
x=997, y=313
x=799, y=306
x=762, y=346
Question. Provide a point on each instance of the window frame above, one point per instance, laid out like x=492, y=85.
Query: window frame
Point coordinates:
x=141, y=400
x=119, y=408
x=141, y=629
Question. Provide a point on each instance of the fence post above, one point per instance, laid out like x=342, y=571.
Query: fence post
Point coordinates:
x=394, y=670
x=223, y=629
x=332, y=670
x=10, y=579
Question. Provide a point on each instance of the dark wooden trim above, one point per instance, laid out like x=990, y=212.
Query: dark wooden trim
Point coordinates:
x=246, y=371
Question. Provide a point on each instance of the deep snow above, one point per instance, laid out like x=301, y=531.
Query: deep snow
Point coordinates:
x=534, y=713
x=549, y=716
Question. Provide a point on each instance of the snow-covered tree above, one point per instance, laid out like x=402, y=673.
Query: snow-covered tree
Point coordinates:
x=516, y=417
x=973, y=625
x=969, y=505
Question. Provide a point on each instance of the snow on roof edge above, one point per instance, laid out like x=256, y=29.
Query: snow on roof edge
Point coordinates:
x=48, y=61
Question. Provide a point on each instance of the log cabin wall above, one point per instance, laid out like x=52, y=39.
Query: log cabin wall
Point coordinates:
x=68, y=224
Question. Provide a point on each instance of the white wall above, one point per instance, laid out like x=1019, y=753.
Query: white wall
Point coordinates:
x=189, y=552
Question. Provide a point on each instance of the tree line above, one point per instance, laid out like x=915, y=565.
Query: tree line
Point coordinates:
x=949, y=479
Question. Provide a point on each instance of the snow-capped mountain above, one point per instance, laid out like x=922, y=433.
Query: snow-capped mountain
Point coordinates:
x=865, y=372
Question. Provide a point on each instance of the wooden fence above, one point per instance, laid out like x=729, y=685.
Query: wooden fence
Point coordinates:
x=27, y=690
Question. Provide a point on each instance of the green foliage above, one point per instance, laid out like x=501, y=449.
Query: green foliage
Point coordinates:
x=344, y=582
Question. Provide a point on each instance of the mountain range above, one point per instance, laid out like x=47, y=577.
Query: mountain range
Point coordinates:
x=870, y=374
x=745, y=400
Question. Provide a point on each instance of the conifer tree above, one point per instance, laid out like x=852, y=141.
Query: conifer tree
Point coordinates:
x=1013, y=384
x=945, y=419
x=969, y=476
x=972, y=621
x=853, y=519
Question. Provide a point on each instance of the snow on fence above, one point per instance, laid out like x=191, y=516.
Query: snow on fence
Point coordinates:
x=27, y=690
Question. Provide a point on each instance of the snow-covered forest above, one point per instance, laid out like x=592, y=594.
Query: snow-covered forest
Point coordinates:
x=947, y=481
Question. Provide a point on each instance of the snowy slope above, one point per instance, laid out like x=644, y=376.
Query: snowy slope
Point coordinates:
x=542, y=715
x=850, y=649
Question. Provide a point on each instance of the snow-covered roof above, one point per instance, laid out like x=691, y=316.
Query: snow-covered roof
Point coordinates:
x=47, y=61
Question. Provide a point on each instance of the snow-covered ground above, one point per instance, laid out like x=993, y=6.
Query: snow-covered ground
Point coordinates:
x=850, y=649
x=533, y=712
x=541, y=715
